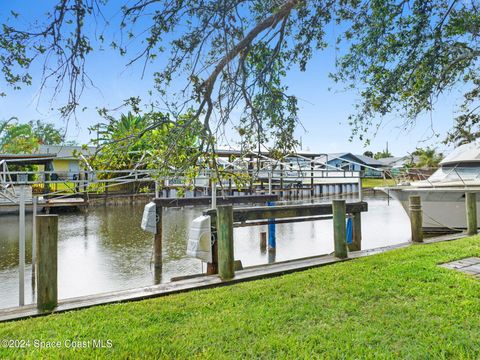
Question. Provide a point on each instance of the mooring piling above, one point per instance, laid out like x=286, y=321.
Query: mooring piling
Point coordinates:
x=226, y=266
x=287, y=214
x=158, y=239
x=47, y=273
x=339, y=228
x=263, y=240
x=416, y=218
x=471, y=209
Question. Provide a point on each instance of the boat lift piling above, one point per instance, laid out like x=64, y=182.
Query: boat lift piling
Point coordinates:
x=286, y=214
x=471, y=210
x=416, y=218
x=339, y=229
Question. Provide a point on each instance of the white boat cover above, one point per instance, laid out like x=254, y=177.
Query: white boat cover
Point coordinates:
x=464, y=153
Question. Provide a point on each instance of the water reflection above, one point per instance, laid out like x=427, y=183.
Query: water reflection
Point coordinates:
x=104, y=249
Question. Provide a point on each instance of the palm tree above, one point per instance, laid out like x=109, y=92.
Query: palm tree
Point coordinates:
x=464, y=137
x=428, y=158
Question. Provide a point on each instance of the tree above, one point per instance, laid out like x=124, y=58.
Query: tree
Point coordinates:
x=462, y=134
x=382, y=154
x=46, y=133
x=428, y=157
x=233, y=55
x=407, y=53
x=25, y=138
x=368, y=153
x=145, y=142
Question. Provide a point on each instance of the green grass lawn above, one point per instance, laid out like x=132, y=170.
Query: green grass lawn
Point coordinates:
x=394, y=305
x=371, y=183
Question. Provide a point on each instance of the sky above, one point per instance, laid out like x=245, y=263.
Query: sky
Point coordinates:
x=324, y=106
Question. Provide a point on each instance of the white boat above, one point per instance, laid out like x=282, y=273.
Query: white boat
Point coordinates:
x=443, y=193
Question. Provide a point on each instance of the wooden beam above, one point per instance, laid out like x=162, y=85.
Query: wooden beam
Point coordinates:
x=207, y=200
x=288, y=211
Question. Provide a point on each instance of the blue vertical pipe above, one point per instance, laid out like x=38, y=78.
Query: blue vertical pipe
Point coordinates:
x=349, y=231
x=272, y=242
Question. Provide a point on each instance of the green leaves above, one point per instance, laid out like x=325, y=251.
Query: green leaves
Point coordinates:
x=16, y=138
x=152, y=141
x=406, y=54
x=428, y=157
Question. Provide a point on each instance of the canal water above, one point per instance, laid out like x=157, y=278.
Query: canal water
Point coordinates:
x=103, y=249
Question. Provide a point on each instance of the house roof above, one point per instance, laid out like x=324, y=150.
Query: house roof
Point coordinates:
x=236, y=152
x=392, y=160
x=27, y=159
x=64, y=151
x=399, y=161
x=362, y=159
x=367, y=160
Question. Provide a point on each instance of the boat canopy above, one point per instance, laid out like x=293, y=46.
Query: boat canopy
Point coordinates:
x=467, y=153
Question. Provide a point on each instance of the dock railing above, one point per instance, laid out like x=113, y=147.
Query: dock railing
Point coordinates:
x=225, y=218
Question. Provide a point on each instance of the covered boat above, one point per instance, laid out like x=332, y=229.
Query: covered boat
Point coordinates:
x=443, y=193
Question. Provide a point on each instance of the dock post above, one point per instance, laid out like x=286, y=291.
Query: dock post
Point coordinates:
x=263, y=241
x=47, y=240
x=281, y=180
x=356, y=244
x=339, y=228
x=158, y=240
x=471, y=207
x=226, y=268
x=212, y=267
x=272, y=240
x=360, y=193
x=416, y=218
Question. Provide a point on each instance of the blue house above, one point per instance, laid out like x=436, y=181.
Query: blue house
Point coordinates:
x=352, y=162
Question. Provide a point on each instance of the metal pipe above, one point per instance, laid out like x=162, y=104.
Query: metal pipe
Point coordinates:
x=21, y=249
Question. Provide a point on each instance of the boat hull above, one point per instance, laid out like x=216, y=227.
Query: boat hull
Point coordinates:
x=442, y=208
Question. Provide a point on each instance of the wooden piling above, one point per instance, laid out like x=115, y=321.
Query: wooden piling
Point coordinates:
x=281, y=180
x=416, y=218
x=339, y=228
x=263, y=241
x=157, y=258
x=47, y=249
x=356, y=244
x=226, y=268
x=360, y=187
x=471, y=207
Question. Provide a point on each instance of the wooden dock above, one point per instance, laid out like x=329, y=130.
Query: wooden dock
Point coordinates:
x=64, y=202
x=201, y=282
